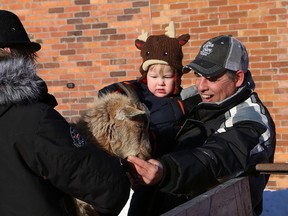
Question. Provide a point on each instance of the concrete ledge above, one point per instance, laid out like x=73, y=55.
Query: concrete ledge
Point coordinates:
x=230, y=198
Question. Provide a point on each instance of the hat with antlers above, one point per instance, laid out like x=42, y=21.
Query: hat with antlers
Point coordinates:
x=162, y=49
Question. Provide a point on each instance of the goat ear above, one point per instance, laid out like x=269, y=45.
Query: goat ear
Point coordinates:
x=129, y=112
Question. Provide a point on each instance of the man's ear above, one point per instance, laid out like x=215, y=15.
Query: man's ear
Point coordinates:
x=239, y=79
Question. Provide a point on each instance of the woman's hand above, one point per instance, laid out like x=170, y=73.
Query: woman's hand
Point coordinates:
x=147, y=172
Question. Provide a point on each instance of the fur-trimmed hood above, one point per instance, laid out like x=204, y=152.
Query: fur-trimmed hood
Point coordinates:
x=19, y=83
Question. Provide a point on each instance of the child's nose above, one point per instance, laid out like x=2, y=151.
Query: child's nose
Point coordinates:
x=161, y=82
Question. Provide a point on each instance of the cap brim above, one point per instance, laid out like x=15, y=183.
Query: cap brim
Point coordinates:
x=205, y=68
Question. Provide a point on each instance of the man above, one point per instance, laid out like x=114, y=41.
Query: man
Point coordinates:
x=228, y=130
x=44, y=161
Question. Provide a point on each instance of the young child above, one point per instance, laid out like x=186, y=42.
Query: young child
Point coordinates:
x=159, y=89
x=159, y=86
x=166, y=111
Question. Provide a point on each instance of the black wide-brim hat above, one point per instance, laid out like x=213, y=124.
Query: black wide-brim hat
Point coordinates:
x=13, y=33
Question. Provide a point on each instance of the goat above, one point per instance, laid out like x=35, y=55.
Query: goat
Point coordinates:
x=119, y=124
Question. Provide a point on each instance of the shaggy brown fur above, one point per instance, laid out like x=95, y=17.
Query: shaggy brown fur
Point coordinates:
x=119, y=124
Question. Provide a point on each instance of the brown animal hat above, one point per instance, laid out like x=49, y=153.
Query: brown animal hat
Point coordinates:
x=162, y=49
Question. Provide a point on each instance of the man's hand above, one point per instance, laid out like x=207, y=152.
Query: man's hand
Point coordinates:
x=149, y=172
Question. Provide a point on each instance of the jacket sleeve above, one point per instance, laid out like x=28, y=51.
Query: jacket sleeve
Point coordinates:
x=223, y=156
x=108, y=89
x=59, y=155
x=115, y=88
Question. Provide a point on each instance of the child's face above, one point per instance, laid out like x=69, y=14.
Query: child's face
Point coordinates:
x=160, y=80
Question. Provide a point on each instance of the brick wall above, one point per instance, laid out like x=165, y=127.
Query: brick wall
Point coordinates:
x=91, y=43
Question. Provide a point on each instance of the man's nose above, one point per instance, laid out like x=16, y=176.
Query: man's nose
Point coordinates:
x=202, y=84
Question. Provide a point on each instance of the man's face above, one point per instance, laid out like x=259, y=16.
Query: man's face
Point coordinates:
x=218, y=88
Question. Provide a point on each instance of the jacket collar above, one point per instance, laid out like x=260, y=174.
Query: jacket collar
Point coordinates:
x=4, y=109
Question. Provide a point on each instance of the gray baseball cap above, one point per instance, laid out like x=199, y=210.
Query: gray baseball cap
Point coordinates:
x=219, y=54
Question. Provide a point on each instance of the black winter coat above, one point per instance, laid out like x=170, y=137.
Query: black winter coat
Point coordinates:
x=43, y=160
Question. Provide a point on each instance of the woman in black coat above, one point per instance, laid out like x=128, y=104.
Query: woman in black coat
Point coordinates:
x=44, y=161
